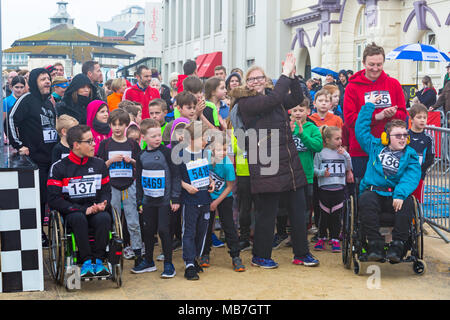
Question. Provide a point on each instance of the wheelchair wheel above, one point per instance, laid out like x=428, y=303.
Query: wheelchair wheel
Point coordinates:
x=418, y=224
x=57, y=247
x=419, y=267
x=118, y=234
x=117, y=275
x=347, y=243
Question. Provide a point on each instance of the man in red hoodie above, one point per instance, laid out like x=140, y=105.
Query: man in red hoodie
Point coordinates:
x=391, y=106
x=142, y=92
x=189, y=68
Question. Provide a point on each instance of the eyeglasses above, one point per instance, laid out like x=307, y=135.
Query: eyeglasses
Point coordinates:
x=89, y=142
x=259, y=79
x=401, y=136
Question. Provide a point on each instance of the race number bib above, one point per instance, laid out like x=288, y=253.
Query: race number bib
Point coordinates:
x=390, y=162
x=383, y=103
x=154, y=183
x=299, y=144
x=50, y=135
x=120, y=169
x=336, y=167
x=198, y=172
x=85, y=187
x=218, y=181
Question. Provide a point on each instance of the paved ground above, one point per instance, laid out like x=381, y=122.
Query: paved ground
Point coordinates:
x=288, y=282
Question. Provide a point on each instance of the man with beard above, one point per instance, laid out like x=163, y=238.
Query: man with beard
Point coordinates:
x=32, y=122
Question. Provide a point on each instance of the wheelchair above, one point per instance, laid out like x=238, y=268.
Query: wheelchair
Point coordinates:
x=64, y=256
x=354, y=244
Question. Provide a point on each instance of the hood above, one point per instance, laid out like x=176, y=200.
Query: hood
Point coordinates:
x=360, y=78
x=32, y=83
x=79, y=81
x=234, y=74
x=92, y=110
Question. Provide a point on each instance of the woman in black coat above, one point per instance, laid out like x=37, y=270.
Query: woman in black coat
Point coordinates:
x=266, y=111
x=76, y=98
x=428, y=95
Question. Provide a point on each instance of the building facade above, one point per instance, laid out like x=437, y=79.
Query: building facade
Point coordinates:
x=333, y=34
x=244, y=32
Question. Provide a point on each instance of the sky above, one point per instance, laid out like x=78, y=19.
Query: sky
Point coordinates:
x=23, y=18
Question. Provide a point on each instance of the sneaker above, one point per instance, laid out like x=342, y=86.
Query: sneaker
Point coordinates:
x=100, y=269
x=128, y=253
x=144, y=266
x=191, y=273
x=264, y=263
x=335, y=246
x=177, y=245
x=320, y=245
x=160, y=257
x=87, y=269
x=222, y=235
x=309, y=261
x=313, y=230
x=204, y=261
x=216, y=243
x=278, y=241
x=237, y=265
x=245, y=246
x=169, y=271
x=315, y=238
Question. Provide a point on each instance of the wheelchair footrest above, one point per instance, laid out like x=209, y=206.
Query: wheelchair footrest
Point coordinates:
x=100, y=278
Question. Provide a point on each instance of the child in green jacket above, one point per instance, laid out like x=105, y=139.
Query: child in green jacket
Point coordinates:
x=308, y=140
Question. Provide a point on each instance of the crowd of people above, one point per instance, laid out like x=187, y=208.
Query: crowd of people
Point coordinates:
x=117, y=146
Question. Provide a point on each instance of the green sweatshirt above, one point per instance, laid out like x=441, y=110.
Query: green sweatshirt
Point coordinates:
x=308, y=143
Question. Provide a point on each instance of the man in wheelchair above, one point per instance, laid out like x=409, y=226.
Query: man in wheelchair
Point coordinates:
x=392, y=175
x=79, y=189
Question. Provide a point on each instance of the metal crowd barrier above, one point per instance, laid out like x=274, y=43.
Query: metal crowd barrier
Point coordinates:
x=436, y=202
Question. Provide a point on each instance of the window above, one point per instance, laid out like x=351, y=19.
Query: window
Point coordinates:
x=428, y=67
x=166, y=23
x=173, y=30
x=188, y=20
x=250, y=62
x=207, y=16
x=251, y=13
x=217, y=16
x=360, y=40
x=197, y=11
x=180, y=21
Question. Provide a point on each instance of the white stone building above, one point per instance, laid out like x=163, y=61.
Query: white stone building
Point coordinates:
x=244, y=32
x=333, y=33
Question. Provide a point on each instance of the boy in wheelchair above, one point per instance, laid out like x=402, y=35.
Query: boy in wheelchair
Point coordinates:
x=79, y=189
x=393, y=173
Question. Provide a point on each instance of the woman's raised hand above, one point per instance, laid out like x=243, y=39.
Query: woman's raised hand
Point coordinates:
x=289, y=65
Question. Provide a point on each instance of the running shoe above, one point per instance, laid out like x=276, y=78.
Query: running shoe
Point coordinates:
x=100, y=269
x=237, y=265
x=278, y=241
x=191, y=273
x=335, y=246
x=144, y=266
x=160, y=257
x=128, y=253
x=264, y=263
x=320, y=245
x=87, y=269
x=308, y=261
x=216, y=243
x=177, y=245
x=245, y=246
x=169, y=271
x=204, y=261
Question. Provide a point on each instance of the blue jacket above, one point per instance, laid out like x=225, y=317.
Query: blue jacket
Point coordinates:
x=405, y=182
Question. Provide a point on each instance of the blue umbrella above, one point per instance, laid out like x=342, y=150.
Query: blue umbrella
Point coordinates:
x=418, y=52
x=324, y=72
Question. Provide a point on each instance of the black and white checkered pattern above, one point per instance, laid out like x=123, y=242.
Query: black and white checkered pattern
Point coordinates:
x=21, y=264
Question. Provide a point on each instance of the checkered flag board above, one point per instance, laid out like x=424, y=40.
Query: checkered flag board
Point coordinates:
x=21, y=262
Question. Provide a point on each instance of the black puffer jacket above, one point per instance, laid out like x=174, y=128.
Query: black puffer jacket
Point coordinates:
x=76, y=109
x=270, y=112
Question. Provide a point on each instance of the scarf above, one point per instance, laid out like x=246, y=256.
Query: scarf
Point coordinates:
x=102, y=128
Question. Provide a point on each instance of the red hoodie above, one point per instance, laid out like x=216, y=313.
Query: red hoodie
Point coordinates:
x=136, y=94
x=180, y=87
x=356, y=94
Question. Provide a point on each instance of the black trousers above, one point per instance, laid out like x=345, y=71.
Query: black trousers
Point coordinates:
x=175, y=225
x=267, y=209
x=157, y=220
x=245, y=200
x=331, y=205
x=80, y=224
x=225, y=209
x=371, y=205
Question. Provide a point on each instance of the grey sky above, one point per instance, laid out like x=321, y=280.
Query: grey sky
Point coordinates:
x=23, y=18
